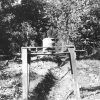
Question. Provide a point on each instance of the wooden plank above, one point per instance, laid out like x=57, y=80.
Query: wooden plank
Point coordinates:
x=44, y=47
x=49, y=53
x=74, y=72
x=80, y=50
x=25, y=74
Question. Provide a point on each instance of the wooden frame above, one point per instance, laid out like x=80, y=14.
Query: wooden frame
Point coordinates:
x=25, y=69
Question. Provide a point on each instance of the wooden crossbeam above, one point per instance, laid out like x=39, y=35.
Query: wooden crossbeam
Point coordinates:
x=49, y=53
x=44, y=47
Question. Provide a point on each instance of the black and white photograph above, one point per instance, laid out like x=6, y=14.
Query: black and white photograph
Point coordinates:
x=49, y=49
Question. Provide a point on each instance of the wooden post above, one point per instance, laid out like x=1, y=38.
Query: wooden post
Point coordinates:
x=74, y=71
x=25, y=74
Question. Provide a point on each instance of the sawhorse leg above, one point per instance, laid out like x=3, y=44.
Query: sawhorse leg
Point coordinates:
x=74, y=71
x=25, y=74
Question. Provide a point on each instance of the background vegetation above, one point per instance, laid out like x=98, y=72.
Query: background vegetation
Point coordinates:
x=27, y=22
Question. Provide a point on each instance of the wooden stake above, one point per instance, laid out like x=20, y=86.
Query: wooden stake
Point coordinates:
x=25, y=74
x=74, y=71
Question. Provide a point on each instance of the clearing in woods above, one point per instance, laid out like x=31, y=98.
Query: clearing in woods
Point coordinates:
x=48, y=81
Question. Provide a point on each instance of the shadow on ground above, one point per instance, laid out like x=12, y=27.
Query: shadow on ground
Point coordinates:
x=95, y=56
x=90, y=89
x=43, y=88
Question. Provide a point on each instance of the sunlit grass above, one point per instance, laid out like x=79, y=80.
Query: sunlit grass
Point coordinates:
x=87, y=73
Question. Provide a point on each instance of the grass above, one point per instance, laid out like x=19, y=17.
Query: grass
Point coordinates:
x=46, y=80
x=89, y=78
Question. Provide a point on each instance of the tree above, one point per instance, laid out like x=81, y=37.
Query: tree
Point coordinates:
x=20, y=22
x=84, y=25
x=66, y=20
x=90, y=30
x=58, y=11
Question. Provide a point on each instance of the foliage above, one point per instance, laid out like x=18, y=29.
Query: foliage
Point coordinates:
x=70, y=21
x=89, y=31
x=58, y=11
x=84, y=24
x=22, y=23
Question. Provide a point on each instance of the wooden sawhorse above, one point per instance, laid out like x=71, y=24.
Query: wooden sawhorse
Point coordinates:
x=25, y=69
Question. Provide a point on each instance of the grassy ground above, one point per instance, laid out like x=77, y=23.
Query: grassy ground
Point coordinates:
x=89, y=79
x=50, y=82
